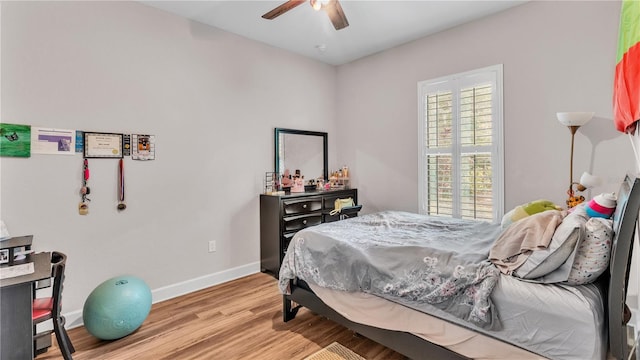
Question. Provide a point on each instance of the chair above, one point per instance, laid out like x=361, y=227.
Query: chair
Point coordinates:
x=49, y=308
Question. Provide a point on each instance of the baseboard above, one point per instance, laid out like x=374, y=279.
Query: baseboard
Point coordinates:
x=74, y=318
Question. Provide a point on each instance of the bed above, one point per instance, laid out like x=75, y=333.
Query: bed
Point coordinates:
x=486, y=315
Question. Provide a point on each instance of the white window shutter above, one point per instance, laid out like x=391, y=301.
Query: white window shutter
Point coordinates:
x=460, y=145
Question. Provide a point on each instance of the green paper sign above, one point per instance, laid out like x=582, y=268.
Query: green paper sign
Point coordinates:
x=15, y=140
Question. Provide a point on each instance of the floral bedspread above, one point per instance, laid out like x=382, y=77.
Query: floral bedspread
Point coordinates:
x=416, y=260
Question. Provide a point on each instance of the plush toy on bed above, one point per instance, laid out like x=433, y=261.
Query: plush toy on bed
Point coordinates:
x=574, y=200
x=601, y=206
x=522, y=211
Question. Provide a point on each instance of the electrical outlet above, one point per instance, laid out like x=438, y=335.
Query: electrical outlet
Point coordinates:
x=212, y=246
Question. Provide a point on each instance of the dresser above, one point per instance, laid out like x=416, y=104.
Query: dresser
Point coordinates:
x=284, y=215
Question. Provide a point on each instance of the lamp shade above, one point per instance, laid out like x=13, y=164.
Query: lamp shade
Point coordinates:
x=574, y=118
x=589, y=181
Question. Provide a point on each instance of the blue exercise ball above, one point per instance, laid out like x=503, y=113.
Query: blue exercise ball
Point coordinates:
x=117, y=307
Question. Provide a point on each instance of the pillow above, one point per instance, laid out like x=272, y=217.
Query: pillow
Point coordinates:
x=528, y=209
x=542, y=263
x=593, y=252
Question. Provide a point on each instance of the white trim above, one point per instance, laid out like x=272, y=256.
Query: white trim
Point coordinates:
x=74, y=318
x=497, y=150
x=498, y=166
x=455, y=149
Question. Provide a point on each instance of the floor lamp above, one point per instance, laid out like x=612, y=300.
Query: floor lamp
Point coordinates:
x=573, y=120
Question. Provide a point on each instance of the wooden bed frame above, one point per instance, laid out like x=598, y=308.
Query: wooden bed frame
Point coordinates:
x=615, y=285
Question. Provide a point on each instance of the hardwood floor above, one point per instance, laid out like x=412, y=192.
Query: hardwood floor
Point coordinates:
x=241, y=319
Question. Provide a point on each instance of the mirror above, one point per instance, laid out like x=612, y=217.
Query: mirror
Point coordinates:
x=301, y=150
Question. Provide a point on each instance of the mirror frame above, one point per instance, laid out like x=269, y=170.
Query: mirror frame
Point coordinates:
x=325, y=145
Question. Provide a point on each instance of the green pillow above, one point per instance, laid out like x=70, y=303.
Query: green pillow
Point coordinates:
x=528, y=209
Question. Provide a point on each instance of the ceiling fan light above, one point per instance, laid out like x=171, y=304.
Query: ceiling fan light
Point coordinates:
x=316, y=5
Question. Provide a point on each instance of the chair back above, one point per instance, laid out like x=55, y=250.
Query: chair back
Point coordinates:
x=58, y=263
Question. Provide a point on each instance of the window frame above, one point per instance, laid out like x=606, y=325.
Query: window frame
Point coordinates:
x=455, y=83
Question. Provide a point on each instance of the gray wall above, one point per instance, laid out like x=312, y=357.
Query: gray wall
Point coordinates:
x=557, y=56
x=212, y=99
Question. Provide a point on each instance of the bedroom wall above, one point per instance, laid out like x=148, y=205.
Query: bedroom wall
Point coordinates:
x=211, y=99
x=557, y=56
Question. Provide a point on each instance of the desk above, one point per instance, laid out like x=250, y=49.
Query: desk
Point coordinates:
x=16, y=299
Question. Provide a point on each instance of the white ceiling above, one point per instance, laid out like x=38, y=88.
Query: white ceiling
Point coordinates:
x=374, y=25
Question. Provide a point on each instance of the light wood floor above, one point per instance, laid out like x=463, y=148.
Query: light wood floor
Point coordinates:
x=241, y=319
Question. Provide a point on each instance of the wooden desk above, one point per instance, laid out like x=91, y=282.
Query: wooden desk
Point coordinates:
x=16, y=299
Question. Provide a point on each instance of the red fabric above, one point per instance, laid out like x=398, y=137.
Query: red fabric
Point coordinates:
x=41, y=308
x=626, y=92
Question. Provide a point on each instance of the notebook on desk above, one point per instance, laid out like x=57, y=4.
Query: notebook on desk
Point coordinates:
x=7, y=272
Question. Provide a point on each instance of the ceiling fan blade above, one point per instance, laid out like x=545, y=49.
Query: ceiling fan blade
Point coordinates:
x=334, y=10
x=282, y=9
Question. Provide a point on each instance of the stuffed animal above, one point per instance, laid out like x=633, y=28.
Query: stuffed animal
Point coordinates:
x=522, y=211
x=602, y=206
x=574, y=200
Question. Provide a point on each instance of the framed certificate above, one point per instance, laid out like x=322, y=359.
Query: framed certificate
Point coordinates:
x=103, y=145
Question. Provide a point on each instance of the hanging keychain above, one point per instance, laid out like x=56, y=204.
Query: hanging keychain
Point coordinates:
x=121, y=204
x=83, y=207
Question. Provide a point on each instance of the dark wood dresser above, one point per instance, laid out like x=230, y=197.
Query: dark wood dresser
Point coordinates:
x=284, y=215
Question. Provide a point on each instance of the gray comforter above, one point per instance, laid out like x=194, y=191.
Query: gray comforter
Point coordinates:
x=412, y=259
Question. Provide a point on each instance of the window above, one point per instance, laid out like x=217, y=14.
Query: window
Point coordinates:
x=461, y=156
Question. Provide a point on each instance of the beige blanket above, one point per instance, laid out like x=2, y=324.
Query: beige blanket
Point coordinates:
x=516, y=243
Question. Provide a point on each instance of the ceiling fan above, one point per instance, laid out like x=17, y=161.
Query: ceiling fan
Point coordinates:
x=331, y=7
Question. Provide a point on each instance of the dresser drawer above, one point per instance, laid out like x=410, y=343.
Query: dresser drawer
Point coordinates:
x=295, y=223
x=302, y=206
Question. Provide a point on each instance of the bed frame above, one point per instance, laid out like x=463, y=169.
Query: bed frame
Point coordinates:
x=615, y=285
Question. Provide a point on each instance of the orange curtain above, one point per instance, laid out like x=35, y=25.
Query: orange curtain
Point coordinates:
x=626, y=91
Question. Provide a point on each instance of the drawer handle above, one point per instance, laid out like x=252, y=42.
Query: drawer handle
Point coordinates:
x=304, y=206
x=304, y=221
